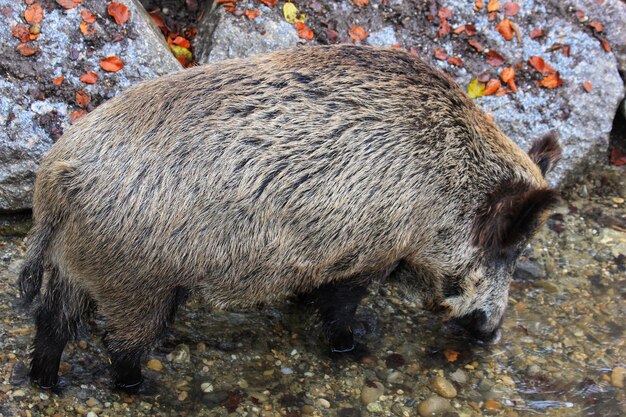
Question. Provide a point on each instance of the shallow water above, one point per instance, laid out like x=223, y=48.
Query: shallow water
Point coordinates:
x=560, y=355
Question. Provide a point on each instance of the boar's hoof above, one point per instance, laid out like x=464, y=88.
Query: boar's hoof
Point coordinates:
x=491, y=339
x=342, y=341
x=129, y=388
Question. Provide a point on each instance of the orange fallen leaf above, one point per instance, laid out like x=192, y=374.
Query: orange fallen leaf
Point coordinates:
x=29, y=2
x=456, y=61
x=451, y=355
x=68, y=4
x=511, y=9
x=494, y=58
x=470, y=30
x=501, y=92
x=551, y=81
x=476, y=45
x=357, y=33
x=87, y=16
x=86, y=29
x=478, y=5
x=33, y=14
x=82, y=99
x=89, y=77
x=493, y=6
x=21, y=32
x=492, y=16
x=252, y=14
x=26, y=49
x=505, y=27
x=158, y=20
x=441, y=54
x=111, y=64
x=180, y=41
x=508, y=77
x=75, y=115
x=444, y=28
x=361, y=3
x=269, y=3
x=518, y=35
x=507, y=74
x=459, y=30
x=58, y=80
x=304, y=32
x=597, y=26
x=587, y=86
x=444, y=13
x=605, y=45
x=537, y=33
x=540, y=65
x=492, y=86
x=119, y=12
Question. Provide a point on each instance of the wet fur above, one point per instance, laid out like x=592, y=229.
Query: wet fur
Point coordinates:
x=252, y=180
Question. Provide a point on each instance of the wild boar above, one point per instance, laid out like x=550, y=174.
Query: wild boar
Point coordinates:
x=313, y=170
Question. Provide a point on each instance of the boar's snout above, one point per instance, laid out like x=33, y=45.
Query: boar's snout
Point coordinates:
x=481, y=327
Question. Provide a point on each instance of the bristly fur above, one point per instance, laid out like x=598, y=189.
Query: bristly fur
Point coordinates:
x=252, y=180
x=511, y=214
x=546, y=153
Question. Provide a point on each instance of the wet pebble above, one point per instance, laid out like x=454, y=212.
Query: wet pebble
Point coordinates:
x=434, y=406
x=155, y=365
x=206, y=387
x=371, y=392
x=492, y=407
x=397, y=409
x=617, y=377
x=443, y=387
x=308, y=409
x=533, y=370
x=323, y=402
x=91, y=414
x=180, y=355
x=395, y=377
x=459, y=376
x=375, y=407
x=348, y=412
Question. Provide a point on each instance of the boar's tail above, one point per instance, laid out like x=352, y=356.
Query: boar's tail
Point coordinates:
x=31, y=275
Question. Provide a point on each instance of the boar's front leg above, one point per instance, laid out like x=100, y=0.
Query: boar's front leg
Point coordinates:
x=135, y=321
x=337, y=304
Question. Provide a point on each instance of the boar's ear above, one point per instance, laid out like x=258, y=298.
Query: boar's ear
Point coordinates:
x=505, y=220
x=545, y=153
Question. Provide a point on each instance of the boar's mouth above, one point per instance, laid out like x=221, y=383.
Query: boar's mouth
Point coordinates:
x=476, y=325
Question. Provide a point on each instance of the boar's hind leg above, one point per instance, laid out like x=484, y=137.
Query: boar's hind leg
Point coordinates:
x=337, y=304
x=61, y=308
x=134, y=323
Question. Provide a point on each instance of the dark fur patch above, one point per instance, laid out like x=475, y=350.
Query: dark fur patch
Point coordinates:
x=511, y=214
x=546, y=152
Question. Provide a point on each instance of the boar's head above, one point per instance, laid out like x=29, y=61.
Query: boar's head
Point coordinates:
x=504, y=223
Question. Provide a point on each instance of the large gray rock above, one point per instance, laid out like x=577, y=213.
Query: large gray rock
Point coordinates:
x=223, y=35
x=33, y=111
x=582, y=120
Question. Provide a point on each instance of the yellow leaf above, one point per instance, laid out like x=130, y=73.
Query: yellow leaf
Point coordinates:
x=291, y=13
x=179, y=51
x=476, y=89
